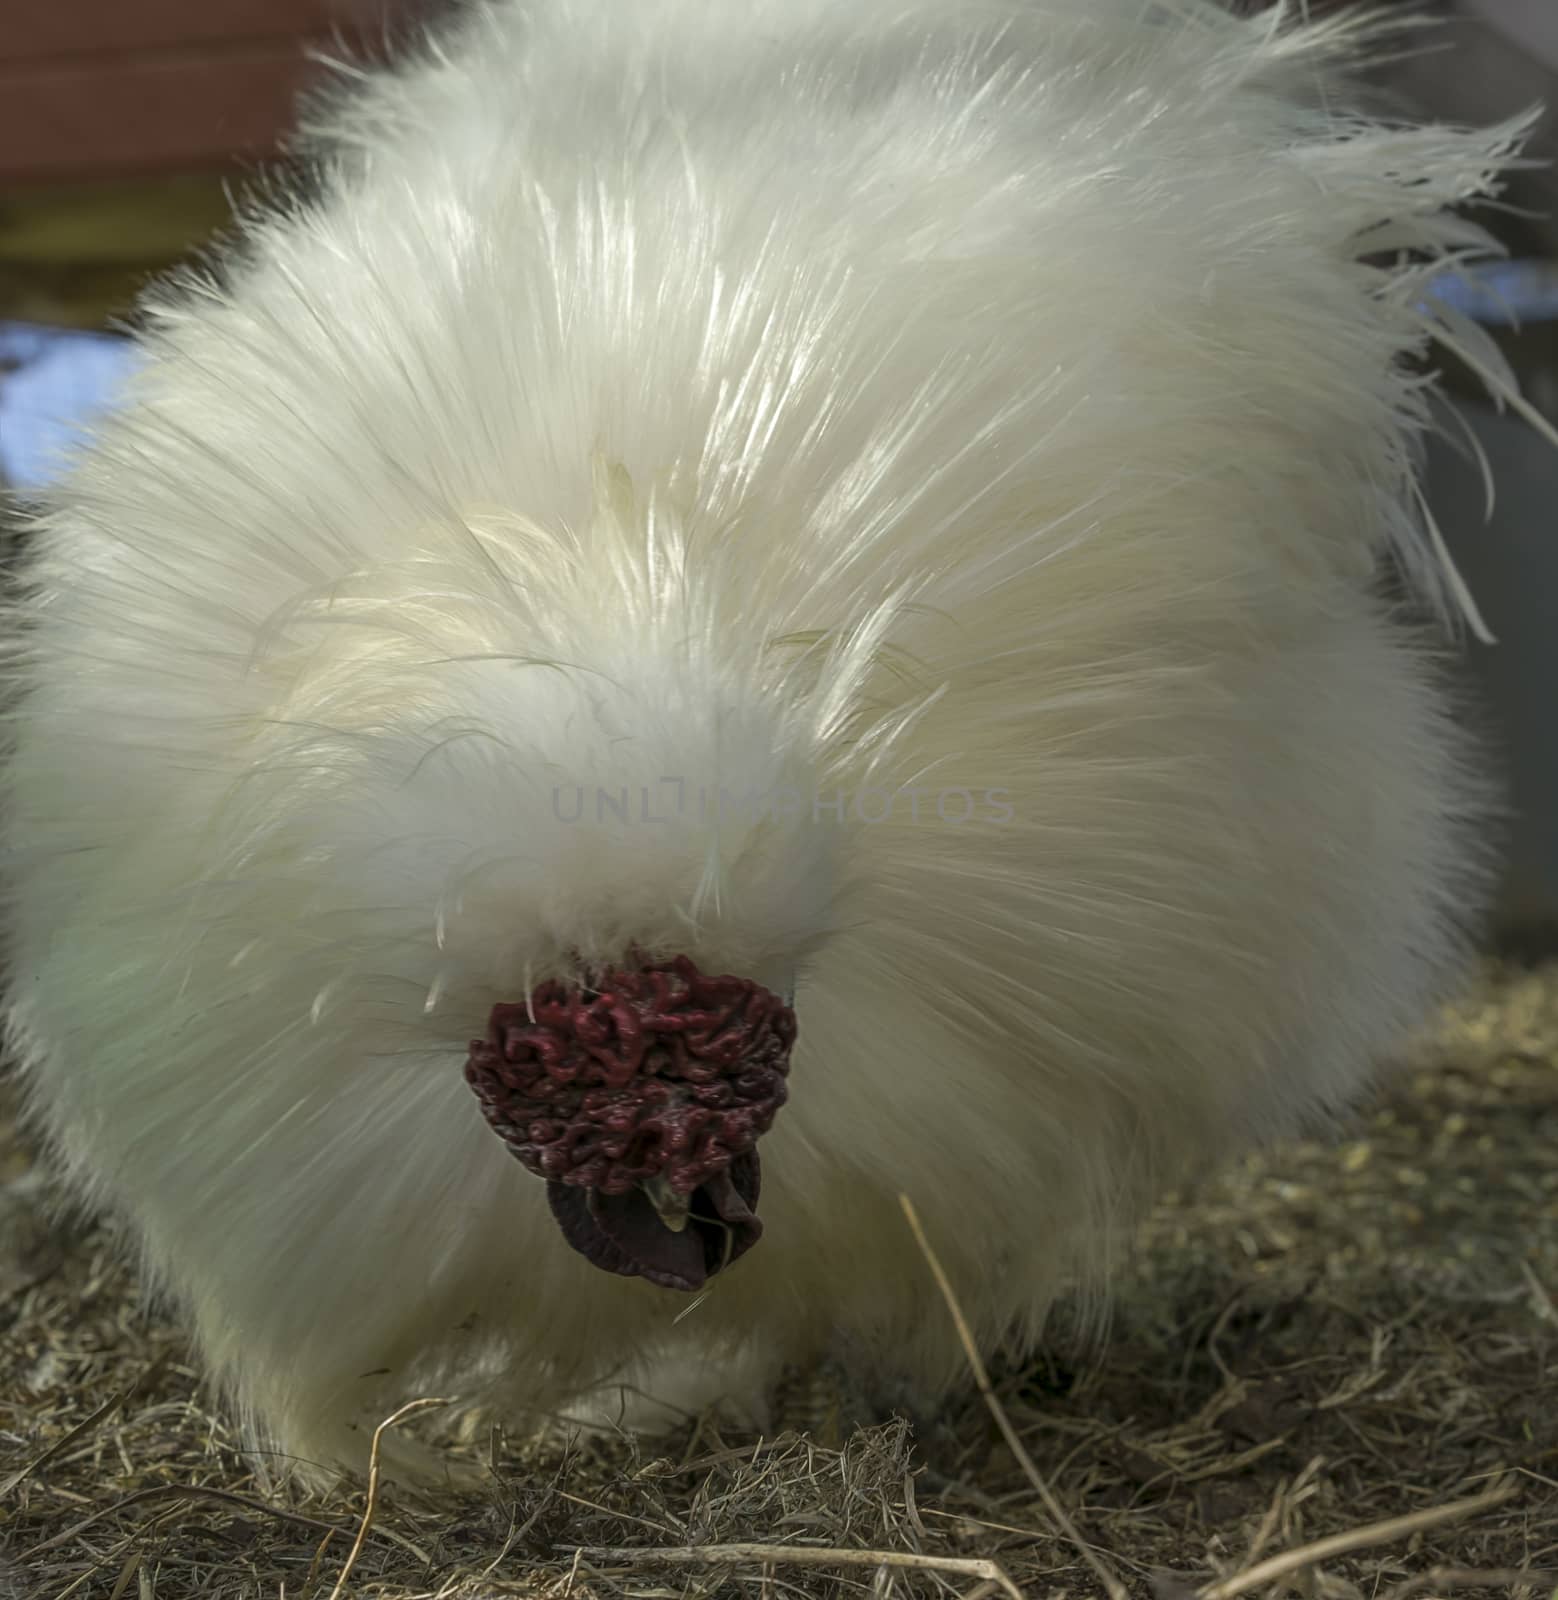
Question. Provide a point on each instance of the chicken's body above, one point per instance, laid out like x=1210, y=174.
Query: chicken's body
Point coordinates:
x=980, y=411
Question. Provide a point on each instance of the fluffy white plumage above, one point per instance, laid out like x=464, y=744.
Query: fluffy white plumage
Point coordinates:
x=793, y=398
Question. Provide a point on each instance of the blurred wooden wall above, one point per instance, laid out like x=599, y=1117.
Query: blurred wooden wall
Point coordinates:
x=122, y=122
x=92, y=89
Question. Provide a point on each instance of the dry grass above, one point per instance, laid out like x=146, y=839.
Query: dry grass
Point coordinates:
x=1328, y=1375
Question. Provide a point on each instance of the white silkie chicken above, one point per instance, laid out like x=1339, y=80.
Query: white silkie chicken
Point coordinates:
x=869, y=505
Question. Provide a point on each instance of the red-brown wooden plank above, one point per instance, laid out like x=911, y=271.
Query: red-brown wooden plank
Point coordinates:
x=33, y=30
x=92, y=119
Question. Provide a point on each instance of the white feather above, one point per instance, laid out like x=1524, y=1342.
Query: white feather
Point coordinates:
x=781, y=399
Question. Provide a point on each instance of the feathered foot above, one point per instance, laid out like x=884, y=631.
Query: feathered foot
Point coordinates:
x=833, y=1398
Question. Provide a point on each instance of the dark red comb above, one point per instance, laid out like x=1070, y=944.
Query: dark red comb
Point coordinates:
x=648, y=1071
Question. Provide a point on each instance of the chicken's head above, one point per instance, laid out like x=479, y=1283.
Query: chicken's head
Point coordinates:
x=639, y=1095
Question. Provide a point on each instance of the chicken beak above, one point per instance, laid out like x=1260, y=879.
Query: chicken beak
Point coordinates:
x=671, y=1208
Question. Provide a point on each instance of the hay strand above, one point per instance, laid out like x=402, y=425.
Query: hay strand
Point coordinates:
x=1389, y=1531
x=410, y=1409
x=1112, y=1585
x=719, y=1555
